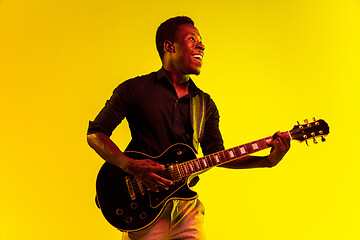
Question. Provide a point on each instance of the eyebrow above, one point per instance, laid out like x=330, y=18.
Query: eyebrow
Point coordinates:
x=196, y=35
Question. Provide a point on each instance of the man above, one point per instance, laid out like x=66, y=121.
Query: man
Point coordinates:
x=157, y=107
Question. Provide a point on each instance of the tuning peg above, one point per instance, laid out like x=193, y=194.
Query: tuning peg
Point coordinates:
x=307, y=143
x=316, y=142
x=300, y=126
x=323, y=139
x=314, y=119
x=306, y=121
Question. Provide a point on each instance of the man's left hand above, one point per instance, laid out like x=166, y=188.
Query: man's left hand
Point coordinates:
x=281, y=144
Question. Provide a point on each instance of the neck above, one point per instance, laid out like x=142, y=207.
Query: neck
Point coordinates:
x=179, y=81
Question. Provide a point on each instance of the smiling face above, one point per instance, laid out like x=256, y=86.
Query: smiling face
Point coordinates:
x=188, y=50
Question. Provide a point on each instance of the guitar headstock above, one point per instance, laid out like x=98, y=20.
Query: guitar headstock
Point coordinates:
x=304, y=132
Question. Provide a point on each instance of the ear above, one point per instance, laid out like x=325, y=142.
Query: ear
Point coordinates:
x=169, y=46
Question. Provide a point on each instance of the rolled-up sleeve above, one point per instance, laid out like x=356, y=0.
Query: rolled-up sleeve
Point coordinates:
x=114, y=111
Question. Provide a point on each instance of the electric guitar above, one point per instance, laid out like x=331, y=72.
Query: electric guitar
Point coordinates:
x=129, y=206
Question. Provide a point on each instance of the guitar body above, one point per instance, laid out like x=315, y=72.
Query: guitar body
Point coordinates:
x=128, y=205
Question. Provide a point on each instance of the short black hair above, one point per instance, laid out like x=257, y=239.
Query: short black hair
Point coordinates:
x=167, y=30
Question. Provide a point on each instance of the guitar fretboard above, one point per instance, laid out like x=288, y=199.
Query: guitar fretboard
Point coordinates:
x=196, y=165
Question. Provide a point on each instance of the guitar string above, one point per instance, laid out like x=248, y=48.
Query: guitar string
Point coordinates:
x=195, y=165
x=188, y=168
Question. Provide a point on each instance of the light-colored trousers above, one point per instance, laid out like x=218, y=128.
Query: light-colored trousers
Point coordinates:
x=180, y=220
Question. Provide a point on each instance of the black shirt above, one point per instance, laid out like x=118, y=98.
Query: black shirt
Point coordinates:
x=157, y=117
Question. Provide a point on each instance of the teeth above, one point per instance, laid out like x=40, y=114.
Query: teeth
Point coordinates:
x=198, y=57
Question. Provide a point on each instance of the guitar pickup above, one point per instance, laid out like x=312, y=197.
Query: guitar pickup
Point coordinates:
x=130, y=188
x=175, y=172
x=141, y=187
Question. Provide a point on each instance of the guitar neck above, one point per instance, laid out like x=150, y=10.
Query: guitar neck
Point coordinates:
x=200, y=164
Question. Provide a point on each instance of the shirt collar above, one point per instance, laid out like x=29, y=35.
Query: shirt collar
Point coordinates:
x=193, y=89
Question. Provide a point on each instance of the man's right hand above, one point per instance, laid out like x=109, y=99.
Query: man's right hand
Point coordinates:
x=145, y=170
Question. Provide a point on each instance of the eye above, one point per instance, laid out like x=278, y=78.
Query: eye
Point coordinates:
x=192, y=39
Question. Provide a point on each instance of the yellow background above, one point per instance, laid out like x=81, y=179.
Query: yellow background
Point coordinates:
x=268, y=63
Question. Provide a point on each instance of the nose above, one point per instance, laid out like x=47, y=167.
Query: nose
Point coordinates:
x=200, y=46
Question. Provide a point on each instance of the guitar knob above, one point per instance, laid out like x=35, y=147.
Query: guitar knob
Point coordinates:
x=143, y=215
x=134, y=205
x=119, y=212
x=323, y=139
x=129, y=220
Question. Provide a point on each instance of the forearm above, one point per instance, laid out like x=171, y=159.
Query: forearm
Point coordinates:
x=249, y=162
x=144, y=170
x=107, y=149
